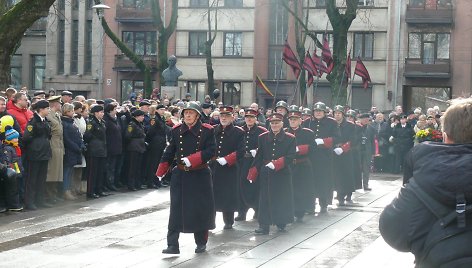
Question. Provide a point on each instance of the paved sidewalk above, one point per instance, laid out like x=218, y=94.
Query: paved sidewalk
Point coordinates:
x=129, y=230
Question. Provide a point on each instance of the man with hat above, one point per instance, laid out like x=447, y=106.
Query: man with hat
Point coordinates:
x=306, y=114
x=281, y=107
x=156, y=143
x=276, y=152
x=302, y=177
x=249, y=192
x=55, y=175
x=66, y=96
x=95, y=139
x=351, y=117
x=326, y=134
x=343, y=177
x=192, y=206
x=144, y=106
x=37, y=150
x=206, y=109
x=40, y=94
x=402, y=139
x=229, y=140
x=135, y=147
x=366, y=138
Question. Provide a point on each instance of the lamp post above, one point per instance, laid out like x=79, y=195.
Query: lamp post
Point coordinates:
x=100, y=10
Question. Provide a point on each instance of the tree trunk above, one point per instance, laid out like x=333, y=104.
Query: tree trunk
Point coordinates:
x=17, y=20
x=209, y=67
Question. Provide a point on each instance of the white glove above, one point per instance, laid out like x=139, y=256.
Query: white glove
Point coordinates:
x=186, y=161
x=391, y=139
x=319, y=141
x=160, y=178
x=253, y=152
x=222, y=161
x=270, y=165
x=392, y=125
x=297, y=150
x=338, y=151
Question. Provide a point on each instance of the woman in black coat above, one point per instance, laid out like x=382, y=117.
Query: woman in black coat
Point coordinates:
x=73, y=146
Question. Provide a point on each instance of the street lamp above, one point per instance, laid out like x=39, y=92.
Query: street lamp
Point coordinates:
x=100, y=10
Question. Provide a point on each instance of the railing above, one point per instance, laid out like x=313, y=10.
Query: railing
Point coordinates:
x=133, y=13
x=123, y=62
x=438, y=68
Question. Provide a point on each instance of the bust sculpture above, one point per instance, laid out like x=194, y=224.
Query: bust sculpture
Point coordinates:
x=171, y=74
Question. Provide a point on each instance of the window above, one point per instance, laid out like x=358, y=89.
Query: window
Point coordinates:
x=88, y=48
x=366, y=3
x=275, y=63
x=75, y=4
x=60, y=47
x=197, y=43
x=38, y=65
x=233, y=3
x=320, y=3
x=197, y=89
x=278, y=23
x=15, y=67
x=74, y=53
x=137, y=4
x=131, y=89
x=428, y=47
x=198, y=3
x=61, y=4
x=233, y=44
x=364, y=45
x=141, y=43
x=231, y=93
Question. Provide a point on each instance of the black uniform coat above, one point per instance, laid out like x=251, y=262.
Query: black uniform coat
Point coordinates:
x=302, y=173
x=344, y=165
x=229, y=141
x=192, y=206
x=156, y=139
x=36, y=139
x=276, y=192
x=356, y=156
x=114, y=135
x=73, y=143
x=249, y=192
x=135, y=137
x=322, y=157
x=403, y=138
x=95, y=137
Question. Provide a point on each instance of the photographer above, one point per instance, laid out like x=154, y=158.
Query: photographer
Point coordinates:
x=367, y=135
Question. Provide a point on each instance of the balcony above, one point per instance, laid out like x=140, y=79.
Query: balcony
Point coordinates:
x=133, y=14
x=123, y=64
x=429, y=14
x=414, y=68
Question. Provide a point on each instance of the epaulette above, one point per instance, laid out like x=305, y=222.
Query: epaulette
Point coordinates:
x=264, y=133
x=304, y=128
x=290, y=134
x=240, y=128
x=262, y=128
x=205, y=125
x=176, y=125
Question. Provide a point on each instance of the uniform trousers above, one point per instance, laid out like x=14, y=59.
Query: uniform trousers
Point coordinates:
x=96, y=175
x=135, y=168
x=201, y=238
x=36, y=173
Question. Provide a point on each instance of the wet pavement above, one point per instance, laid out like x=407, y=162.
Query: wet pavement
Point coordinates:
x=129, y=230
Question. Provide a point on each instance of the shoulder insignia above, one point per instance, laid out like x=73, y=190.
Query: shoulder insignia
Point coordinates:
x=207, y=126
x=307, y=129
x=262, y=128
x=130, y=128
x=240, y=128
x=89, y=126
x=29, y=128
x=290, y=134
x=264, y=133
x=176, y=125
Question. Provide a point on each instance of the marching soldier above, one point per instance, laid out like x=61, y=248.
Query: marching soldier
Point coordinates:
x=136, y=147
x=355, y=152
x=281, y=107
x=326, y=133
x=249, y=192
x=95, y=138
x=343, y=177
x=302, y=177
x=276, y=152
x=306, y=114
x=192, y=207
x=229, y=140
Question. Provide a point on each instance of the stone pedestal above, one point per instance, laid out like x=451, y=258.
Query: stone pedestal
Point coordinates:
x=170, y=92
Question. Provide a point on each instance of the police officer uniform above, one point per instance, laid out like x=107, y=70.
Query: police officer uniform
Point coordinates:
x=272, y=167
x=156, y=140
x=95, y=138
x=36, y=141
x=249, y=192
x=229, y=150
x=135, y=147
x=192, y=207
x=326, y=133
x=302, y=177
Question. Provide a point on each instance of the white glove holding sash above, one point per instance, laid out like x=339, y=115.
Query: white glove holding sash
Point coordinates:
x=222, y=161
x=186, y=161
x=338, y=151
x=319, y=141
x=270, y=165
x=253, y=152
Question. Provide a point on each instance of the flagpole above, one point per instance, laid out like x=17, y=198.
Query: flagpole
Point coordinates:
x=350, y=90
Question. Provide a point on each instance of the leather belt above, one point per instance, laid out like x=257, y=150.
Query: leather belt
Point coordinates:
x=300, y=160
x=248, y=155
x=185, y=168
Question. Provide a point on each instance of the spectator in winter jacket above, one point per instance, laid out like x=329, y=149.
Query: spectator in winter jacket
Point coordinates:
x=20, y=111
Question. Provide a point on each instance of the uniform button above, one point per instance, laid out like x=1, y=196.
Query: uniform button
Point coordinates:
x=219, y=147
x=180, y=142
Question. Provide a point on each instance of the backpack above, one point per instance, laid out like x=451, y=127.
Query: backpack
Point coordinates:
x=447, y=243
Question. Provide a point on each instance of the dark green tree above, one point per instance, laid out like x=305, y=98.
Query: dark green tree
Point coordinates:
x=14, y=21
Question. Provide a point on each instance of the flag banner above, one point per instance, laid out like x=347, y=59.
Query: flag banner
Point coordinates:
x=309, y=66
x=347, y=70
x=263, y=86
x=361, y=71
x=320, y=67
x=289, y=57
x=326, y=55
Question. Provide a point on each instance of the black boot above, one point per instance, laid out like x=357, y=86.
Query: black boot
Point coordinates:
x=262, y=230
x=171, y=250
x=241, y=216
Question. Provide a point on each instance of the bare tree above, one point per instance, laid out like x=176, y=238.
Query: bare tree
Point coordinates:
x=14, y=21
x=211, y=35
